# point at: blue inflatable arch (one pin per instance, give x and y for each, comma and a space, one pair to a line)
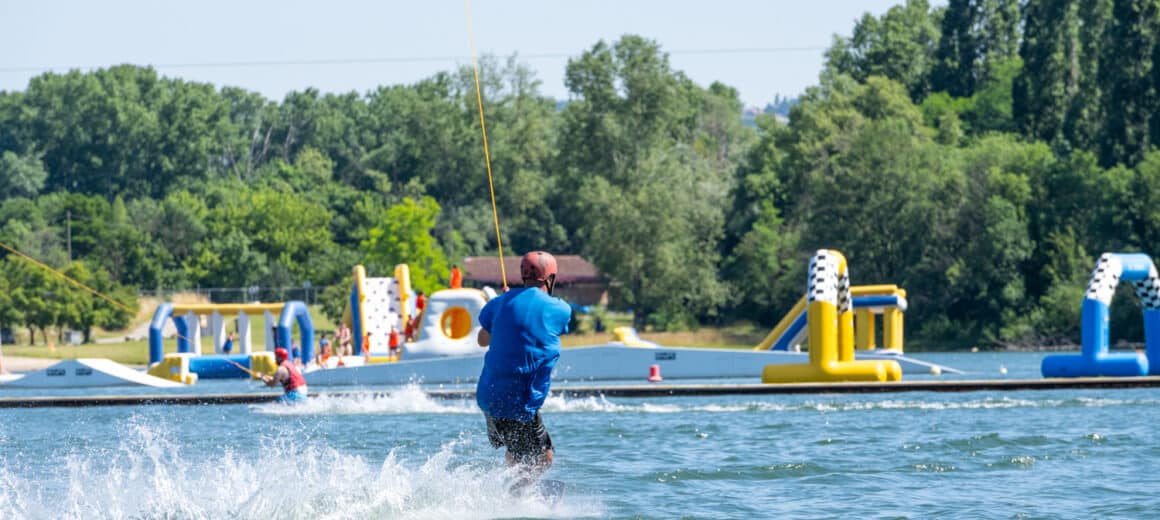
1094, 359
292, 312
295, 311
160, 316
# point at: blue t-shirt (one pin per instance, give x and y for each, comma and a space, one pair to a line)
525, 326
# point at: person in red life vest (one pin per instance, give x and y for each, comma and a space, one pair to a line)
456, 277
409, 331
288, 376
393, 345
366, 347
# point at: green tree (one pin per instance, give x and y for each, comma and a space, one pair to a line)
181, 222
34, 295
21, 175
1085, 117
899, 45
766, 269
659, 237
1126, 66
25, 227
10, 315
292, 233
991, 108
76, 306
975, 34
1044, 91
404, 237
230, 260
1140, 212
123, 130
521, 134
986, 283
645, 176
127, 252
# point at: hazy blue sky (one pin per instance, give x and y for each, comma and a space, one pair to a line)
760, 47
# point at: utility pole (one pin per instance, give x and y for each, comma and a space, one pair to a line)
68, 231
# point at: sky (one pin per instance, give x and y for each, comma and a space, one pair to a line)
762, 48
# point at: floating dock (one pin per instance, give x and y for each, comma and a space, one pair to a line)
649, 390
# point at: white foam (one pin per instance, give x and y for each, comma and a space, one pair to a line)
559, 404
412, 400
149, 476
601, 404
407, 400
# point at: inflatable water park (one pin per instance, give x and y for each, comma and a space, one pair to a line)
831, 335
442, 348
445, 349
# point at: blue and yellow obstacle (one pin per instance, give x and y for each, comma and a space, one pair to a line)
188, 364
1094, 359
870, 302
830, 325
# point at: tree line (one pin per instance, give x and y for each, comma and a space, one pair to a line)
980, 155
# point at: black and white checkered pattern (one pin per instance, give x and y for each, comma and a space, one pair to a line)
1105, 278
824, 278
1148, 290
845, 299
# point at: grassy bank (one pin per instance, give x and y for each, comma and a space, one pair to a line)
129, 352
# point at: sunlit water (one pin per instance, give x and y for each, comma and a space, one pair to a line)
1030, 454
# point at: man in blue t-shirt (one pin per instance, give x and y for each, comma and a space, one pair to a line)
523, 328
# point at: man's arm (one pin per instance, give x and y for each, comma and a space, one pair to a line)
485, 322
277, 377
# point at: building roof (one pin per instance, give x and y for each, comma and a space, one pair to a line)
485, 270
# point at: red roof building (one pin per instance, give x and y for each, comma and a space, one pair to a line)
577, 281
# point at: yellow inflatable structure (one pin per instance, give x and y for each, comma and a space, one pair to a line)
870, 301
891, 312
174, 367
830, 316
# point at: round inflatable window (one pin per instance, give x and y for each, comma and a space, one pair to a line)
455, 323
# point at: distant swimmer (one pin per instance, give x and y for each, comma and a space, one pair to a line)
288, 376
523, 328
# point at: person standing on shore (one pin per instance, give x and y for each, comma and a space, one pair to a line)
456, 277
522, 328
342, 338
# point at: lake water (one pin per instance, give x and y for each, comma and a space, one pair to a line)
1030, 454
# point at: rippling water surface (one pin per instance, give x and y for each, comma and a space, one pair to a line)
1031, 454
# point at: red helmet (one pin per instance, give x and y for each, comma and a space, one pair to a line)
537, 265
280, 354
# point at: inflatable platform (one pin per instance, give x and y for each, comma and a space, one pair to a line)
86, 372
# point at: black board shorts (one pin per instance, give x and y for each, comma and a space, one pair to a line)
526, 441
